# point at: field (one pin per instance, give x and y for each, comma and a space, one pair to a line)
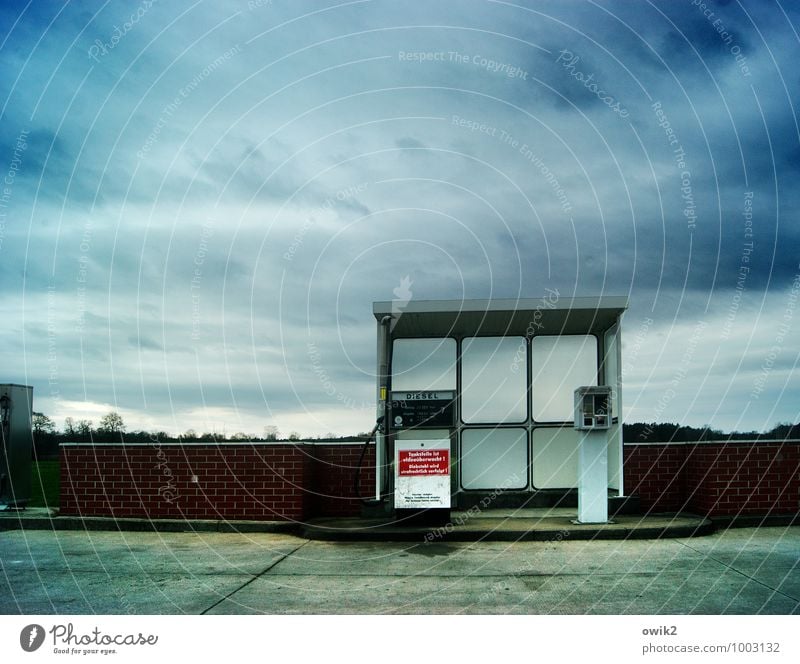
45, 487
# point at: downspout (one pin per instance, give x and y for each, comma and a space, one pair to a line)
382, 401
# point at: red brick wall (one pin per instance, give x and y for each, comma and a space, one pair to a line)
295, 482
715, 479
655, 474
332, 478
151, 481
234, 481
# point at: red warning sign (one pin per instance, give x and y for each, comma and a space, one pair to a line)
423, 462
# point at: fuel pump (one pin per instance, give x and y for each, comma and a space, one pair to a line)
593, 419
417, 420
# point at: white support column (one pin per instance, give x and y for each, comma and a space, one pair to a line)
618, 404
593, 478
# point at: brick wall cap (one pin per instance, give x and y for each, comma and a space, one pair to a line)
203, 443
718, 442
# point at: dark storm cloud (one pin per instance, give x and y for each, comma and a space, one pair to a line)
409, 142
697, 42
215, 201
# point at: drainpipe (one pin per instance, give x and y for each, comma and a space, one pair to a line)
383, 383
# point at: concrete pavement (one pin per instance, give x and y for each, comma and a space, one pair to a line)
511, 525
743, 571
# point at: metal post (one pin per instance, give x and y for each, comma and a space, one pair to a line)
593, 478
618, 404
382, 387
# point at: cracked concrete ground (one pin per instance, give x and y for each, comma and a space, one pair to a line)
738, 571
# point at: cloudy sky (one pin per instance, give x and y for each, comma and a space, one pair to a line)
201, 200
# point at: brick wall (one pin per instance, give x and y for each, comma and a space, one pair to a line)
332, 479
279, 481
716, 479
233, 481
656, 474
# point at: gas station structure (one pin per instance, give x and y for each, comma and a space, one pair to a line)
483, 405
516, 399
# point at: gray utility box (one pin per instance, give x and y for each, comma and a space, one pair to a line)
593, 408
16, 445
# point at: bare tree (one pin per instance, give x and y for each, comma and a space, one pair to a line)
112, 423
42, 424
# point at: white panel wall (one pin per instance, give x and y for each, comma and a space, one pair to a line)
424, 364
494, 458
493, 380
560, 364
555, 458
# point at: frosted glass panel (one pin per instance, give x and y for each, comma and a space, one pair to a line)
610, 366
493, 380
494, 459
560, 364
613, 378
424, 364
555, 457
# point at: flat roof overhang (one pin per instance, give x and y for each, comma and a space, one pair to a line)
502, 317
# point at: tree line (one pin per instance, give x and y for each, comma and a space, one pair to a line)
112, 428
668, 432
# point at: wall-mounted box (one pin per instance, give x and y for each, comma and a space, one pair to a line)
593, 408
